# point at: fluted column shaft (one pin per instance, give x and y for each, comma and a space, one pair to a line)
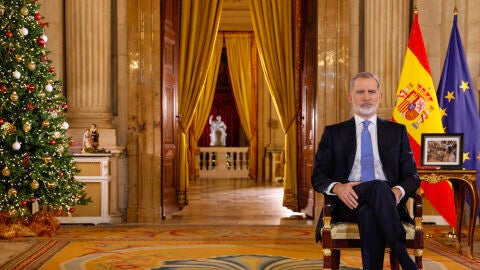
386, 36
88, 63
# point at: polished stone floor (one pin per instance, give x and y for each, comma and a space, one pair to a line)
236, 201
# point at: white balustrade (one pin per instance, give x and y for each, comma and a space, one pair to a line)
223, 162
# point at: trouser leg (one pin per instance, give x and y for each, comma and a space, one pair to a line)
372, 242
377, 196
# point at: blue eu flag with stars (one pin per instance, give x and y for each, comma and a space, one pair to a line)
456, 97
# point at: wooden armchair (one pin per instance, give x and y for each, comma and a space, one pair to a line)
345, 235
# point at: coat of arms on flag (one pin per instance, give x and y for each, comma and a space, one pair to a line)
413, 103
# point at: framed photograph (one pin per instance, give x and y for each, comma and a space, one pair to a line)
444, 150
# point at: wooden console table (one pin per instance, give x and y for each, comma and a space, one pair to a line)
467, 183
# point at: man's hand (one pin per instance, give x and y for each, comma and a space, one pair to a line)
398, 194
346, 194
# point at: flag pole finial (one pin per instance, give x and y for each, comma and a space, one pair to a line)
415, 9
455, 11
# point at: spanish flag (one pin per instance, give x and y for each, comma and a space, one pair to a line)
417, 108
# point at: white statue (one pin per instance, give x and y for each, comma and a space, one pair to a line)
218, 131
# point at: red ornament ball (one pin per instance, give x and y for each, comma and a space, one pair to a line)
43, 58
3, 89
32, 200
24, 203
52, 142
60, 174
30, 87
52, 69
71, 210
40, 41
72, 143
37, 16
25, 159
9, 34
1, 121
30, 106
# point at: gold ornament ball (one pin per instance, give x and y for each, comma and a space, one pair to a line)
27, 127
6, 171
47, 159
12, 192
41, 95
60, 149
13, 212
51, 185
46, 124
24, 11
8, 128
19, 58
14, 96
34, 185
32, 66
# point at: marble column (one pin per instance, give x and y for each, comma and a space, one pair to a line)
88, 62
386, 32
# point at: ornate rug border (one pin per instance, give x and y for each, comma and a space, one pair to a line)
35, 256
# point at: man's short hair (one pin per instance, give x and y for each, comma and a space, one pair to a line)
364, 75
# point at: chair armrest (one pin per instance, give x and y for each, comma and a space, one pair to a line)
417, 205
327, 216
327, 205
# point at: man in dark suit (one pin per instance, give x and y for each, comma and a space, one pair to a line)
371, 186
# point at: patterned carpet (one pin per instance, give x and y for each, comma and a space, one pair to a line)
200, 247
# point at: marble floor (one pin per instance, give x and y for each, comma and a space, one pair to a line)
236, 201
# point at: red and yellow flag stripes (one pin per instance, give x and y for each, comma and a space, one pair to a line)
417, 108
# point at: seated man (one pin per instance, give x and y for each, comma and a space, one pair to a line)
368, 164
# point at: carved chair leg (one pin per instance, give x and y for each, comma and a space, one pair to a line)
327, 258
394, 264
335, 259
419, 258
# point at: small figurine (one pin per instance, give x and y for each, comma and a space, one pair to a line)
87, 142
94, 137
91, 141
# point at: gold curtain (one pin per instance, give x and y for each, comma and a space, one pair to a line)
272, 25
203, 109
199, 27
240, 67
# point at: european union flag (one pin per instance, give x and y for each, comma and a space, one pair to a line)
456, 97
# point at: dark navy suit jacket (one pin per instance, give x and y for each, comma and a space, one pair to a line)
336, 153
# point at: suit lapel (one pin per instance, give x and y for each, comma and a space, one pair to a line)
351, 142
381, 137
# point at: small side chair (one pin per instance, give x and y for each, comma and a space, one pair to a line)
342, 235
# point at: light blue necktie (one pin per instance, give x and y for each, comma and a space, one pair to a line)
366, 158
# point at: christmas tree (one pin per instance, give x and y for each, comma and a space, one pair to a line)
35, 164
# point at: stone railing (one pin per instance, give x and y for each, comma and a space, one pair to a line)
223, 162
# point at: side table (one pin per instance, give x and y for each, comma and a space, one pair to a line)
467, 182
